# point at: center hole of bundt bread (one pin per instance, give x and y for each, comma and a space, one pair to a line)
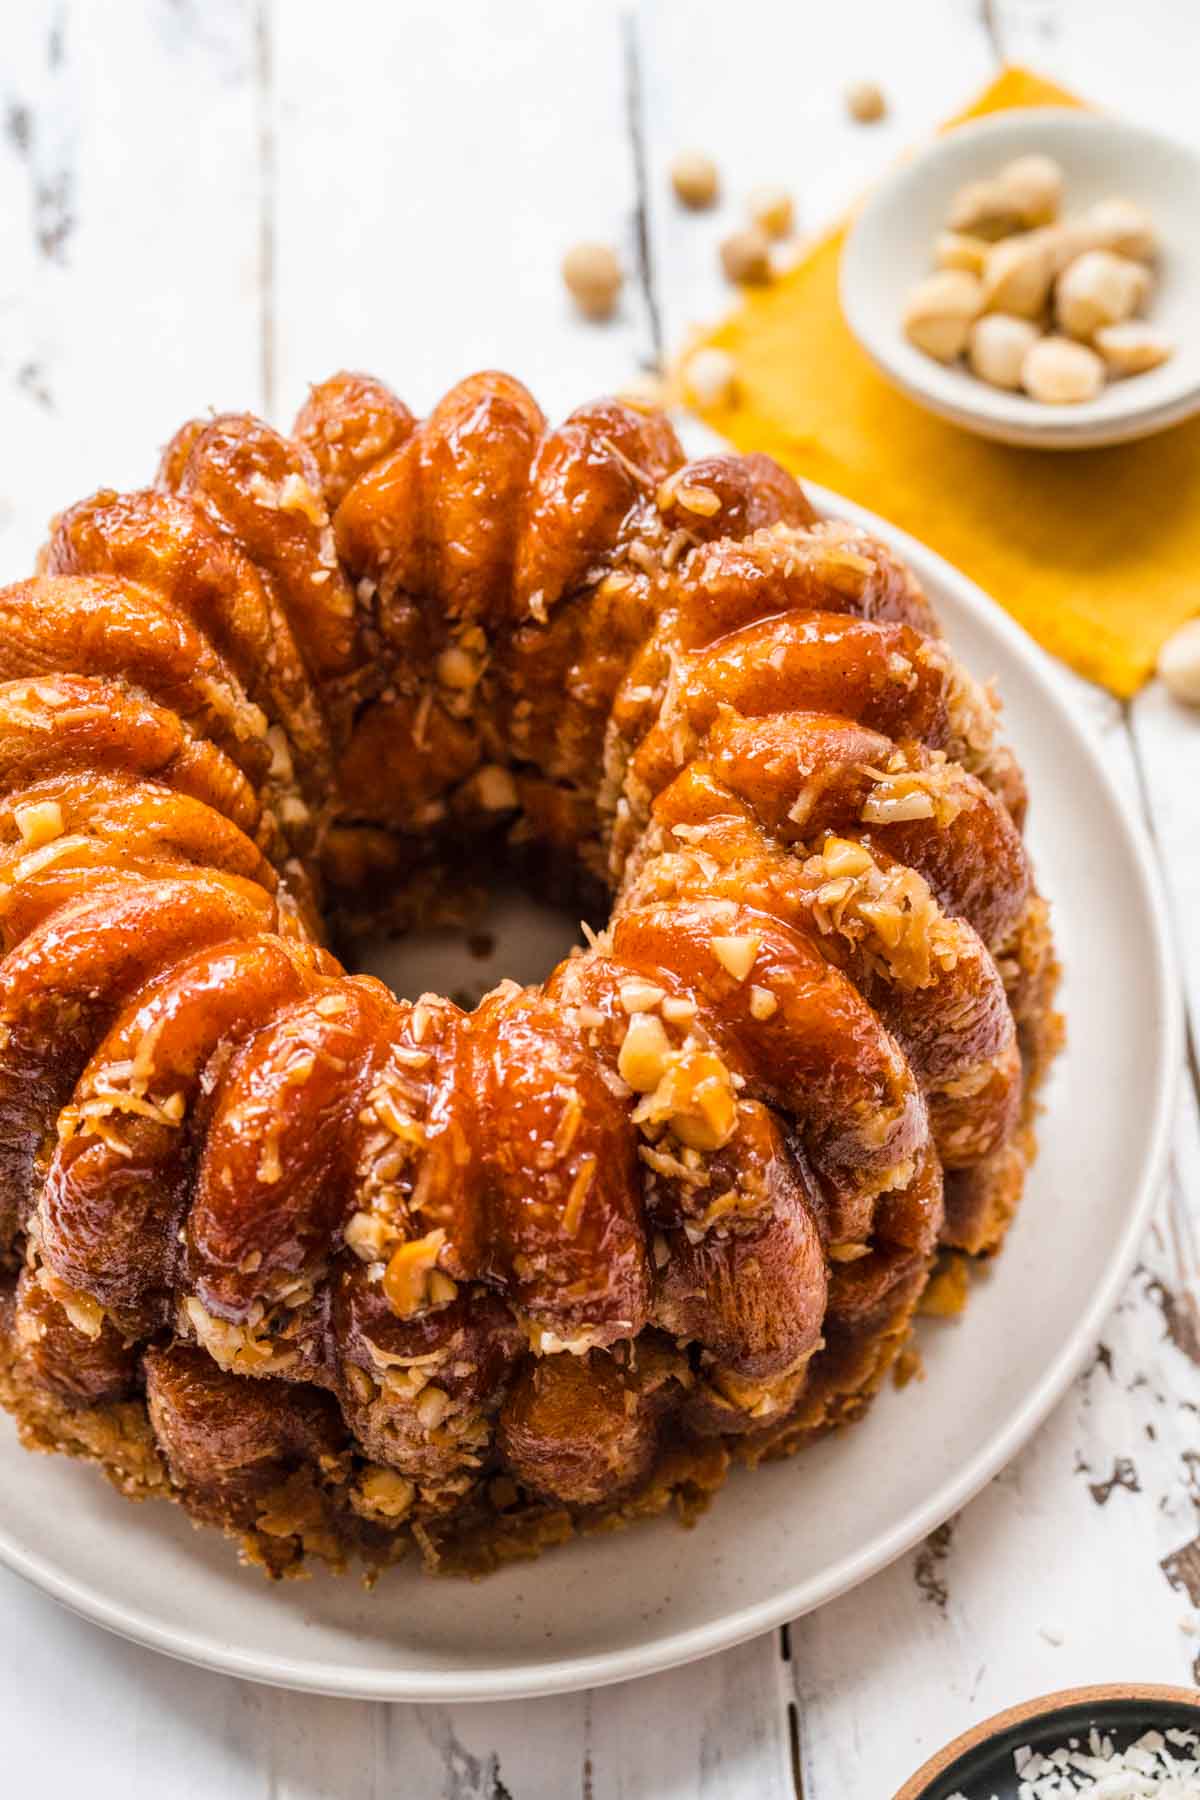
519, 935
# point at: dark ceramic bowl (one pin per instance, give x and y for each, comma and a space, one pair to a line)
980, 1762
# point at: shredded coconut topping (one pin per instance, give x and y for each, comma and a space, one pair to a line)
1158, 1766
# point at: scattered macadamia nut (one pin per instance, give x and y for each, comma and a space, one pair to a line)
939, 312
593, 277
695, 179
997, 345
1131, 347
1179, 663
1099, 288
865, 102
1061, 372
956, 250
710, 377
746, 257
771, 210
1017, 275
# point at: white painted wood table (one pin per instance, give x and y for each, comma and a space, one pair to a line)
209, 202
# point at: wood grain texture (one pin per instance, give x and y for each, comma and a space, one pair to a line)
129, 241
240, 196
429, 178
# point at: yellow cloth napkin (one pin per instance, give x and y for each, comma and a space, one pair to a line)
1096, 552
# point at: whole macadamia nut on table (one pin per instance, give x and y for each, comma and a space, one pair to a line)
695, 179
997, 346
746, 257
865, 102
939, 312
593, 278
1099, 288
771, 209
1061, 372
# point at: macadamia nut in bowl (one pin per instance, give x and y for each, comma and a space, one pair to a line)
1034, 277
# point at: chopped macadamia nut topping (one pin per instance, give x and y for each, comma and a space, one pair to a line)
763, 1004
641, 996
736, 955
644, 1053
39, 822
383, 1492
406, 1278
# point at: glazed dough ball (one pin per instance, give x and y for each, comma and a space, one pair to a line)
997, 347
939, 312
1099, 288
1061, 372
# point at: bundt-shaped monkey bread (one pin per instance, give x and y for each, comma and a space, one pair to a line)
338, 1270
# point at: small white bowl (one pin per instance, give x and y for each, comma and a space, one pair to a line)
890, 247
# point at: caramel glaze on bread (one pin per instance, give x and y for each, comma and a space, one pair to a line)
339, 1271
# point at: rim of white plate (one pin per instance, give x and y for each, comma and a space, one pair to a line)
734, 1627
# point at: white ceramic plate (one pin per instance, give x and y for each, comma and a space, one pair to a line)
786, 1538
890, 247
